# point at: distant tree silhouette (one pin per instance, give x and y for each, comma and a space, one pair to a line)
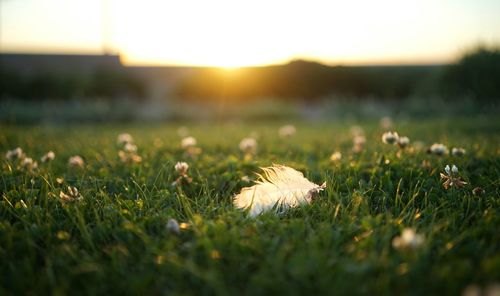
477, 74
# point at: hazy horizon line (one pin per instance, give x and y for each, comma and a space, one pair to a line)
156, 63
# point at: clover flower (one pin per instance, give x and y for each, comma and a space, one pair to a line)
76, 161
336, 156
188, 142
29, 165
408, 240
403, 142
181, 168
492, 289
72, 196
130, 148
457, 151
129, 157
438, 149
189, 145
478, 191
124, 138
359, 140
173, 226
390, 138
358, 143
287, 131
49, 156
16, 153
248, 145
451, 178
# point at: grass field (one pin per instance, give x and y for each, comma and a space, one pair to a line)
115, 240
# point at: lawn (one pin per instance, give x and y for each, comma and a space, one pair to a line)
115, 239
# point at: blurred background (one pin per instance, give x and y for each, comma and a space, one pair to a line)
120, 61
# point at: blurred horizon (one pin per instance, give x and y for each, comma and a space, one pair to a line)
241, 34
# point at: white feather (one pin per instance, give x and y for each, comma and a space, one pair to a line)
280, 187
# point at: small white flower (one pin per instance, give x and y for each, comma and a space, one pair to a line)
173, 226
287, 131
124, 139
76, 161
72, 195
14, 154
248, 145
130, 148
408, 240
336, 156
29, 164
188, 142
359, 140
181, 168
386, 122
129, 157
457, 151
390, 138
451, 178
438, 149
48, 157
403, 142
447, 169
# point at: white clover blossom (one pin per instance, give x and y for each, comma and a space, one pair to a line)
49, 156
287, 131
29, 164
455, 151
359, 140
248, 145
408, 240
403, 142
76, 161
336, 156
124, 138
438, 149
130, 148
453, 170
181, 167
358, 143
390, 138
173, 226
129, 157
188, 142
72, 195
451, 177
16, 153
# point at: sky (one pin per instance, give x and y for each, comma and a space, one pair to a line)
232, 33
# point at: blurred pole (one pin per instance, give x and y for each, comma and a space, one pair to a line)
106, 22
1, 25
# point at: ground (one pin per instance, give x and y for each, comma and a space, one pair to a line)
115, 239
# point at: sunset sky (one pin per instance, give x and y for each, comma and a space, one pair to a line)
232, 33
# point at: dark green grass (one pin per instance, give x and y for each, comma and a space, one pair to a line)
115, 241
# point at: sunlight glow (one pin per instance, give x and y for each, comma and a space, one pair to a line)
231, 33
